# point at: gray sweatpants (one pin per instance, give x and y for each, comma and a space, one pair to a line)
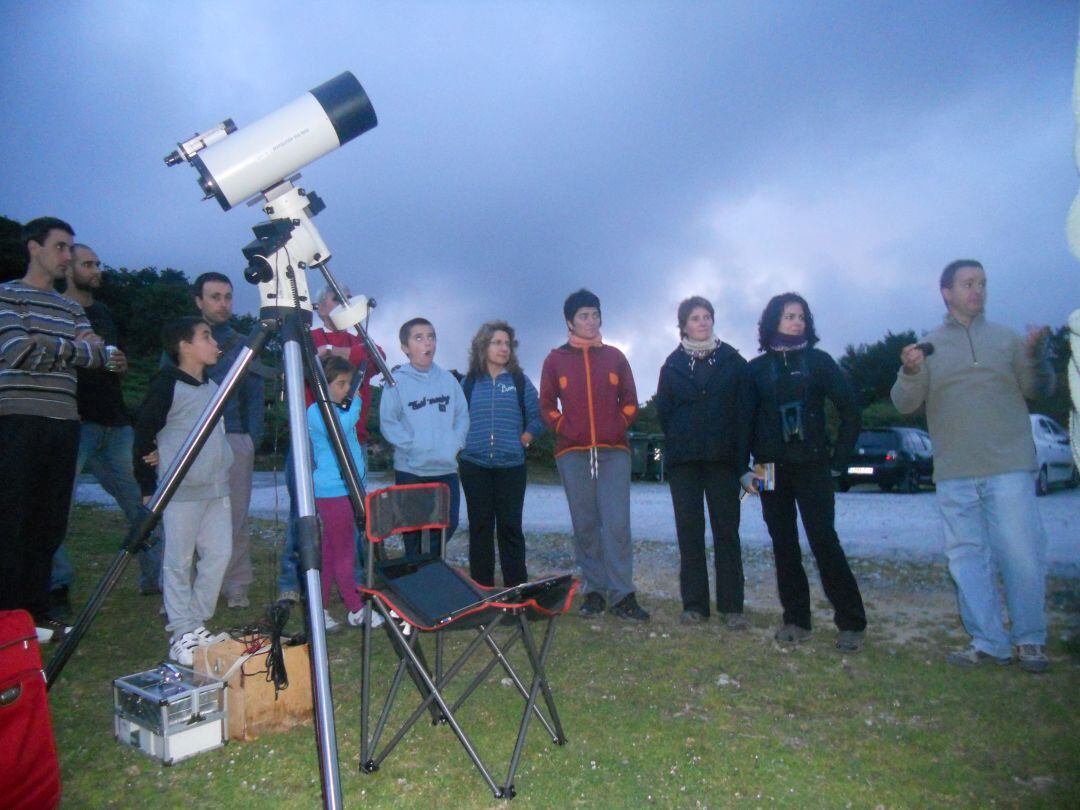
203, 527
600, 513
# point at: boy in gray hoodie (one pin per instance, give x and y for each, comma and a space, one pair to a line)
425, 417
198, 518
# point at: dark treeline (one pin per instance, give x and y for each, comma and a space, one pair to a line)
142, 301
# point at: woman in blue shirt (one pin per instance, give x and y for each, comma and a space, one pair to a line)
504, 418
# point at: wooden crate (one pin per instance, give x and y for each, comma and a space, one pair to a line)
253, 707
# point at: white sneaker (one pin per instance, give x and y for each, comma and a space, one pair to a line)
183, 649
329, 624
356, 618
206, 638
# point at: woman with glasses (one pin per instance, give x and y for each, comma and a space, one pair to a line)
504, 419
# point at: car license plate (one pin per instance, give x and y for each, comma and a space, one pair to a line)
860, 470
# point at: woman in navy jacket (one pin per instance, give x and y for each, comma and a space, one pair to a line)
698, 402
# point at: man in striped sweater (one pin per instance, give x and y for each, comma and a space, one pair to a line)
44, 337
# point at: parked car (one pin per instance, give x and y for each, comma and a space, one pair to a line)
1053, 455
890, 457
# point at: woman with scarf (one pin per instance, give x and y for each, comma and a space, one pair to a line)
698, 402
588, 399
786, 389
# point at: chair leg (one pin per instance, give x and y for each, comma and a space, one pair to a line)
433, 694
539, 661
539, 683
369, 762
499, 657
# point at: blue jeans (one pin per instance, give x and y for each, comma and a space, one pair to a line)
992, 524
289, 573
105, 453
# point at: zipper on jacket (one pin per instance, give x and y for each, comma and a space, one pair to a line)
971, 344
491, 450
588, 396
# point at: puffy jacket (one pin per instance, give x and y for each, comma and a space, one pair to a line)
809, 376
700, 408
587, 397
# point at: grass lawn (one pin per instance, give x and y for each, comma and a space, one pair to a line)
656, 714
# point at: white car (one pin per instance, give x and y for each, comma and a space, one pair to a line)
1053, 455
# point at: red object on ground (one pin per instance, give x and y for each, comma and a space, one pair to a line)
29, 770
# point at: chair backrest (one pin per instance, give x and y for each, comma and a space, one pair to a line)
418, 513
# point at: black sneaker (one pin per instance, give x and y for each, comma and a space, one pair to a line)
849, 640
791, 634
593, 605
693, 617
628, 608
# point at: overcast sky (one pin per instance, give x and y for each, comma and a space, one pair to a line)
648, 151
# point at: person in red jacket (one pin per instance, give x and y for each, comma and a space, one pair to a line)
588, 399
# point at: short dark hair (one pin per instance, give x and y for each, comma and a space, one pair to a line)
688, 305
179, 330
334, 367
406, 328
36, 230
952, 268
197, 287
769, 325
579, 300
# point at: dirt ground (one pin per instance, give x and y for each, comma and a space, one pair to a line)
907, 602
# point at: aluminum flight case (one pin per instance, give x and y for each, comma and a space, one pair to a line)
170, 712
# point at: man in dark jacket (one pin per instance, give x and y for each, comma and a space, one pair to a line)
595, 388
105, 435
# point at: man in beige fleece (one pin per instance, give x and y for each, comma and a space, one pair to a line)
973, 376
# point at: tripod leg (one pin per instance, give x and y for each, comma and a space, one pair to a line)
308, 536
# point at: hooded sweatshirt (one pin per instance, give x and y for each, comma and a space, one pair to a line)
426, 419
174, 403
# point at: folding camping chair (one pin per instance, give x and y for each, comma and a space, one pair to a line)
419, 595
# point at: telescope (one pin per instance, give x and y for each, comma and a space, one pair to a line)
262, 160
235, 165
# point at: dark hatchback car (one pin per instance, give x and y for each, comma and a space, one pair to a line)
897, 457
